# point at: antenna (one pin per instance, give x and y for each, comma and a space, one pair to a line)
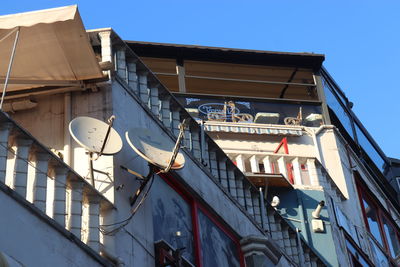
97, 137
158, 150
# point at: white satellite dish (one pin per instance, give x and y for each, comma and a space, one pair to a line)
154, 147
95, 135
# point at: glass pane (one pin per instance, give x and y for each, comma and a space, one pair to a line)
250, 111
338, 110
392, 238
216, 247
372, 219
172, 219
380, 258
369, 149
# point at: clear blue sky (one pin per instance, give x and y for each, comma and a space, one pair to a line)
360, 39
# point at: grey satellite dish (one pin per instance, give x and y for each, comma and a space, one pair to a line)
155, 148
95, 136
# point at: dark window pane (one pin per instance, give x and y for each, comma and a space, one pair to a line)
338, 109
372, 219
172, 219
392, 238
369, 149
216, 247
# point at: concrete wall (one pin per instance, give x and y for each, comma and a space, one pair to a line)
33, 242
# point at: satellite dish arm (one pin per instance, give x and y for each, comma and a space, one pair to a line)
177, 146
110, 124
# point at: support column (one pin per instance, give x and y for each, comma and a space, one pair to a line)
21, 165
312, 171
106, 48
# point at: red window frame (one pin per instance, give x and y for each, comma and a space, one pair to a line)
364, 193
195, 206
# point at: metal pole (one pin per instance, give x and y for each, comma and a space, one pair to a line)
9, 68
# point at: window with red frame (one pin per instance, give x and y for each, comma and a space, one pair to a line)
186, 224
379, 223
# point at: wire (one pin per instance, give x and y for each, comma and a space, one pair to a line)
125, 222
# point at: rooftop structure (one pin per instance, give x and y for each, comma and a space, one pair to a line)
278, 170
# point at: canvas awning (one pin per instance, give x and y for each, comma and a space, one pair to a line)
53, 49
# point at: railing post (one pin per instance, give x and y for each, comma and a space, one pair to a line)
154, 101
165, 111
239, 186
60, 194
213, 163
196, 149
231, 181
40, 182
5, 129
248, 198
75, 208
21, 165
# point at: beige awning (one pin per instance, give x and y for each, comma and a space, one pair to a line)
53, 49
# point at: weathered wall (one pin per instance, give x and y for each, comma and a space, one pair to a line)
32, 242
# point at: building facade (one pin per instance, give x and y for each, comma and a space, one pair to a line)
278, 169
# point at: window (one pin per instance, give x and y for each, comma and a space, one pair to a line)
379, 224
185, 224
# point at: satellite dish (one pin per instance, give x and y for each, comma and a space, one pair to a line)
154, 148
95, 135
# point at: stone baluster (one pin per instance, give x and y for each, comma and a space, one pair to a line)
21, 165
213, 163
254, 164
282, 167
94, 222
120, 61
5, 129
60, 194
40, 180
223, 177
256, 204
165, 111
240, 162
132, 76
231, 181
154, 100
196, 149
313, 172
75, 208
297, 171
248, 198
143, 88
239, 186
175, 121
267, 164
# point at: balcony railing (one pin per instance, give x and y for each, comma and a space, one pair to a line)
142, 85
45, 184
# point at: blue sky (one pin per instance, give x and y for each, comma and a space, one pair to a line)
360, 40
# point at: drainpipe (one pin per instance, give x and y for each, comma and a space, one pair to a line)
67, 137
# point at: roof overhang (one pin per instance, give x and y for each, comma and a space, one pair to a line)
53, 50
